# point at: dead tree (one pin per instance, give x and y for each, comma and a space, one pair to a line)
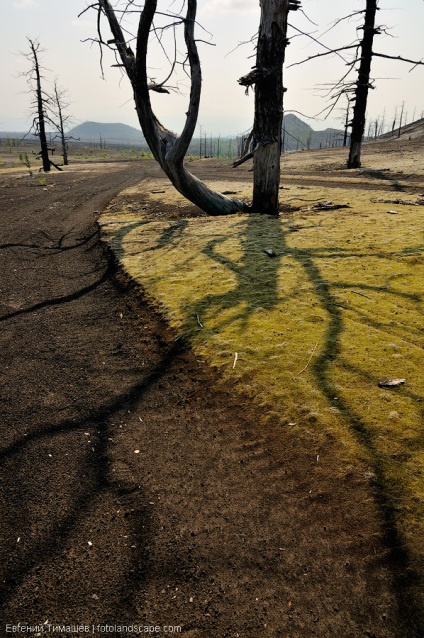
267, 78
170, 149
363, 54
346, 123
40, 101
362, 85
60, 118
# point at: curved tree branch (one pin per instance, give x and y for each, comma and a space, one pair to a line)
168, 149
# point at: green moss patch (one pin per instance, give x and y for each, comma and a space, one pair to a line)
309, 332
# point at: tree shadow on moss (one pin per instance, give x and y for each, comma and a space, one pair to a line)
405, 578
257, 274
257, 271
257, 286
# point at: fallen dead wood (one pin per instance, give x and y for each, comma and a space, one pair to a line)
403, 202
325, 206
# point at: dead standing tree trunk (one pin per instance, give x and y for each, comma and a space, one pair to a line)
168, 149
267, 77
58, 99
362, 85
41, 127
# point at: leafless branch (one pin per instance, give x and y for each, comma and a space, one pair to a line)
334, 24
401, 59
243, 159
329, 52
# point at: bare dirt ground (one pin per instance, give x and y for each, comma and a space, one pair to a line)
135, 488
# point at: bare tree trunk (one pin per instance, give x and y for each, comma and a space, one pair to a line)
267, 76
61, 124
169, 149
40, 109
362, 85
346, 126
400, 119
64, 150
268, 120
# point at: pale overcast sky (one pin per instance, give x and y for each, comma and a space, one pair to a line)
225, 109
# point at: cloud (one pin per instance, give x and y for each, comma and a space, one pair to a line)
80, 23
24, 4
232, 6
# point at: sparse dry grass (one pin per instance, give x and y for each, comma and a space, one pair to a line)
339, 308
12, 162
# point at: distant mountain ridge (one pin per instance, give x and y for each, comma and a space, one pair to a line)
297, 135
112, 133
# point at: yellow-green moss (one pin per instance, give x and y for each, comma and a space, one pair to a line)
315, 328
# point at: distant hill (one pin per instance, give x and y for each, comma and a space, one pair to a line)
108, 133
414, 130
297, 135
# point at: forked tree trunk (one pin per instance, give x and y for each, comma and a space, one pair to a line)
168, 148
269, 91
362, 85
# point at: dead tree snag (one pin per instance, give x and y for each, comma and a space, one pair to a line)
168, 148
362, 85
40, 119
42, 104
267, 78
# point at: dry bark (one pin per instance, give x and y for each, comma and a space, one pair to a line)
168, 148
58, 100
269, 93
362, 86
267, 77
34, 46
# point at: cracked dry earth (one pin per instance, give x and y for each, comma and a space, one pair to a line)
137, 489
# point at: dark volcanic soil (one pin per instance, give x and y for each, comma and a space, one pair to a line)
135, 488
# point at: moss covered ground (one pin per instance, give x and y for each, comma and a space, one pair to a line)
310, 332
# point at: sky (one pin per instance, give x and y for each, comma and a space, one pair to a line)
223, 26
